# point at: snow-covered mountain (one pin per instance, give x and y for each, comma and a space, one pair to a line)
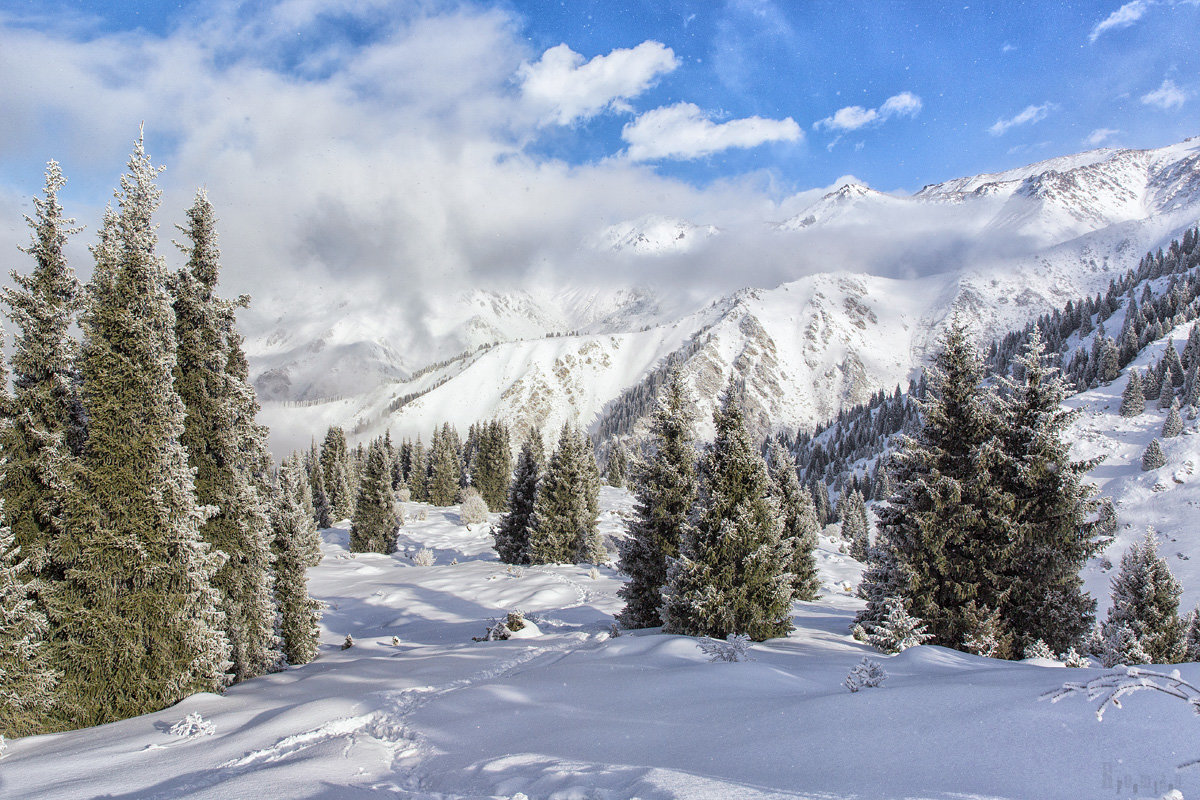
1023, 242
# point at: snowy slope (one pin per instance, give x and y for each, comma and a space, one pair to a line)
575, 713
1165, 499
1024, 242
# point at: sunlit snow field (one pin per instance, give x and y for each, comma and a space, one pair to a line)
577, 713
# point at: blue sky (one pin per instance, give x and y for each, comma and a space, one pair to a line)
407, 118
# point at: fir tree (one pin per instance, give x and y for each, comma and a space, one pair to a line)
1133, 402
135, 619
46, 428
1153, 457
335, 470
799, 522
895, 631
1145, 599
445, 467
1191, 639
492, 467
1166, 394
225, 447
1053, 506
1173, 424
512, 534
948, 521
563, 529
376, 520
297, 547
322, 511
730, 575
617, 467
664, 485
855, 527
27, 680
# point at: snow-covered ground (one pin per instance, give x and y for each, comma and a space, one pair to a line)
577, 713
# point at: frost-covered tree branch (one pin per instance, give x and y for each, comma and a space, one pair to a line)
1110, 687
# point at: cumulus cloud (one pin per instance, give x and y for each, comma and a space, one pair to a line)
684, 131
564, 87
1100, 136
1123, 17
1168, 96
851, 118
1028, 116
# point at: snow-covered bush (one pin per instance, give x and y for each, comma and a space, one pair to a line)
735, 648
866, 674
502, 629
1073, 658
594, 574
423, 558
1039, 649
346, 645
897, 631
3, 745
193, 726
472, 510
404, 495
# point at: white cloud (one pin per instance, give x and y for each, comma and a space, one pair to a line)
1167, 96
1123, 17
1100, 136
1029, 116
851, 118
684, 131
564, 88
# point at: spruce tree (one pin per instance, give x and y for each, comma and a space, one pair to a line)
563, 529
948, 522
322, 511
135, 620
376, 520
1133, 402
1053, 509
225, 447
1145, 599
855, 526
1153, 456
492, 466
730, 575
799, 522
1173, 424
664, 488
418, 472
617, 466
445, 467
512, 534
335, 470
1166, 394
46, 428
297, 547
27, 679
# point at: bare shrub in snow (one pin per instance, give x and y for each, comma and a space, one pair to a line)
193, 726
594, 574
734, 648
866, 674
424, 558
1110, 687
472, 510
